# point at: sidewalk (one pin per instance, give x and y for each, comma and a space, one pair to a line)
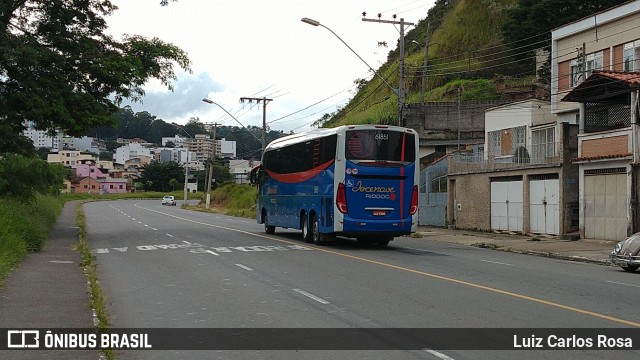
594, 251
48, 290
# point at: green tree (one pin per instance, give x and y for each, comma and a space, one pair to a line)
23, 177
59, 69
174, 183
160, 175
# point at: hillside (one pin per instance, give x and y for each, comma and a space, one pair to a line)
466, 37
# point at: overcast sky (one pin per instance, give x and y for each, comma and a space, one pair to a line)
260, 48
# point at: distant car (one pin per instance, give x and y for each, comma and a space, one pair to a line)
626, 254
168, 200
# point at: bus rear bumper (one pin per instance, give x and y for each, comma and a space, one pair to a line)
353, 227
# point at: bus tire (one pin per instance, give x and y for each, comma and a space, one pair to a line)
307, 233
269, 229
317, 238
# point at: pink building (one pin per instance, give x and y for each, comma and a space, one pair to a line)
90, 170
113, 186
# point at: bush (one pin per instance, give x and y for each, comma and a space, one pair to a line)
24, 227
235, 196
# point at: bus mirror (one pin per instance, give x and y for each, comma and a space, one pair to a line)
255, 176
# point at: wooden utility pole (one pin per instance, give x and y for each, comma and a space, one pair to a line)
264, 102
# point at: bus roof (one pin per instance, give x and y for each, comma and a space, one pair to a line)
318, 133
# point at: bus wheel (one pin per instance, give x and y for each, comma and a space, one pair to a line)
318, 238
269, 229
307, 234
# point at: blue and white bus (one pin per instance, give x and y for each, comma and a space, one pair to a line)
357, 181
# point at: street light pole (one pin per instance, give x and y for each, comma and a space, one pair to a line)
317, 23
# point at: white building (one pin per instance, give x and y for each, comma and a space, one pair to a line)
127, 152
240, 170
177, 140
226, 149
40, 138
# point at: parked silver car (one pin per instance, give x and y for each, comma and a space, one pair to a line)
626, 254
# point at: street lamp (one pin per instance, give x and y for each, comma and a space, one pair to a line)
209, 101
396, 91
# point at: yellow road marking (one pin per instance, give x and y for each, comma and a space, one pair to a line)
418, 272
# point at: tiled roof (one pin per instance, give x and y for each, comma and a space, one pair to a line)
632, 78
602, 157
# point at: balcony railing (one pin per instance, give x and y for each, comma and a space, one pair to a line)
534, 156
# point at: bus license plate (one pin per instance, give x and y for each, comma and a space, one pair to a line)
379, 213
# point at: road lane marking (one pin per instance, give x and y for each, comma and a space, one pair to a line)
619, 283
311, 296
439, 355
418, 272
244, 267
61, 261
169, 235
499, 263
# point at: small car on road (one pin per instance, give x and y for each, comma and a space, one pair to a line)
626, 253
168, 200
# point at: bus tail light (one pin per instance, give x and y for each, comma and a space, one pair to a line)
341, 199
414, 201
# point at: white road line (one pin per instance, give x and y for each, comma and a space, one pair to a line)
619, 283
146, 225
311, 296
499, 263
154, 229
61, 261
439, 355
244, 267
169, 235
212, 253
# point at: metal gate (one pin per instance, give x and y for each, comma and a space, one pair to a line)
506, 205
544, 204
605, 200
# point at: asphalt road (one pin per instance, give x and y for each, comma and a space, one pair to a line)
164, 267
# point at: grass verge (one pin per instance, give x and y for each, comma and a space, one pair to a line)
97, 299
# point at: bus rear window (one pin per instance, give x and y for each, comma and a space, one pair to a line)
380, 145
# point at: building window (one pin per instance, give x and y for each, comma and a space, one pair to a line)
120, 187
632, 56
580, 71
543, 144
495, 143
439, 184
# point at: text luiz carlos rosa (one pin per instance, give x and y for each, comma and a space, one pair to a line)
572, 342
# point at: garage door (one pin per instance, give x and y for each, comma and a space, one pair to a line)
506, 205
605, 213
544, 204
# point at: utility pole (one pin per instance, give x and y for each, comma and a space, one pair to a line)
264, 102
401, 94
213, 155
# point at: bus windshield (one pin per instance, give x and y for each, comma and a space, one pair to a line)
380, 147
